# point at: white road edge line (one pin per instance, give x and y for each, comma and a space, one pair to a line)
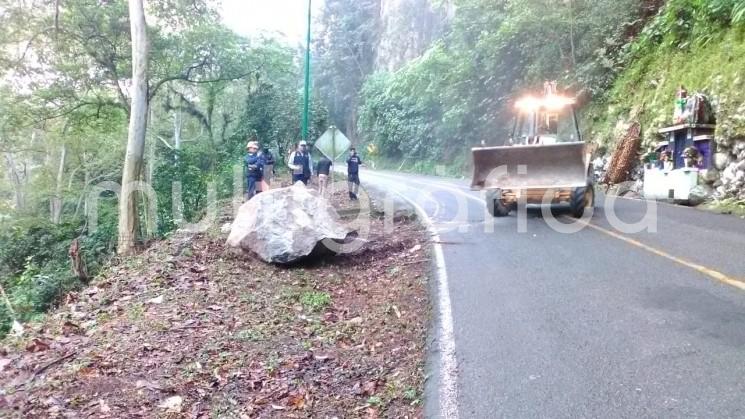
444, 186
448, 389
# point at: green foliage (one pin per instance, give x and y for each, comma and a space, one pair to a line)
189, 168
709, 62
63, 126
33, 242
682, 24
625, 54
459, 92
345, 48
728, 206
315, 300
34, 261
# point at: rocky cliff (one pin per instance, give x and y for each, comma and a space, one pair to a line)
408, 28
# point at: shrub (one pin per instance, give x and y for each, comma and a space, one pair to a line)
34, 261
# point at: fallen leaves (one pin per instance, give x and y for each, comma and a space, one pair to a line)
369, 388
156, 300
103, 407
198, 269
172, 404
201, 330
143, 384
37, 345
355, 320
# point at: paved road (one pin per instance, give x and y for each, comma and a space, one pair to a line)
592, 324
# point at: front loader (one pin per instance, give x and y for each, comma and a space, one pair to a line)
544, 162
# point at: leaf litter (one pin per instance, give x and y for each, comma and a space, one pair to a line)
190, 328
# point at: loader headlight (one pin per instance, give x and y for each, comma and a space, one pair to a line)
528, 104
550, 102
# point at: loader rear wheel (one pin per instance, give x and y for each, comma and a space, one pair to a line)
581, 199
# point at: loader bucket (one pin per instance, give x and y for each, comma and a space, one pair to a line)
562, 165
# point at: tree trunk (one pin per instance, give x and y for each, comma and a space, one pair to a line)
82, 202
571, 35
55, 204
150, 153
352, 122
177, 124
15, 177
137, 129
149, 172
77, 262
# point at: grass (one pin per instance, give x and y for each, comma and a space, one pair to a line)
249, 335
728, 206
135, 311
315, 301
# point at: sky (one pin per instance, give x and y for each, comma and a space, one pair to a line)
286, 19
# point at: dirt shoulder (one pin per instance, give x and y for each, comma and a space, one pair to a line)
190, 328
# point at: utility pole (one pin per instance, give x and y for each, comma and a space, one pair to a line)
306, 97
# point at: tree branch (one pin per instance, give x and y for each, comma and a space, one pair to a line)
186, 77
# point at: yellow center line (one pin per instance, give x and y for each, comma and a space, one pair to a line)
695, 266
714, 274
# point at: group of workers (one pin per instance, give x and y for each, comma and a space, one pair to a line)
258, 169
258, 166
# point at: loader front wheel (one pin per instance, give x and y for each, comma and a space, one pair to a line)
497, 208
581, 199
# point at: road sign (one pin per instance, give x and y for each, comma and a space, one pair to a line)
372, 149
333, 143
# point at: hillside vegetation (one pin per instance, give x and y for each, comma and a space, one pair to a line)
65, 68
620, 58
697, 44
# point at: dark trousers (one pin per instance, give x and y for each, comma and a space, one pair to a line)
251, 187
300, 177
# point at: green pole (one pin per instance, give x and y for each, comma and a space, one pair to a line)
306, 97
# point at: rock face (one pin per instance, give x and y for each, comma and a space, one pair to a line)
407, 29
721, 160
733, 172
286, 225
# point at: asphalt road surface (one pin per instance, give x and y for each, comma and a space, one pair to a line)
598, 323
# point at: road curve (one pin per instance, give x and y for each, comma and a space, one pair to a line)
599, 323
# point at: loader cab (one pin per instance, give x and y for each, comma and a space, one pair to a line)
543, 121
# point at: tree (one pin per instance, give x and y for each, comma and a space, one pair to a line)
83, 89
460, 91
345, 48
137, 129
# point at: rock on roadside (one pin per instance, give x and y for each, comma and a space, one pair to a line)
286, 225
700, 194
390, 204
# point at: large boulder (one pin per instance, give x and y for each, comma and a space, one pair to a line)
390, 204
700, 194
286, 225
